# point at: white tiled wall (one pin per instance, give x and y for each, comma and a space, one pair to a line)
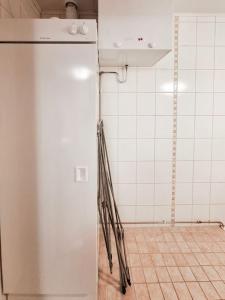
201, 130
138, 123
19, 9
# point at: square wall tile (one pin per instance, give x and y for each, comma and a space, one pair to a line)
220, 34
185, 149
145, 194
145, 80
146, 104
109, 103
205, 34
127, 104
111, 127
166, 62
127, 194
201, 193
203, 127
164, 104
127, 213
127, 127
127, 172
109, 82
114, 171
219, 104
164, 127
145, 172
217, 212
205, 58
219, 85
130, 85
218, 171
201, 213
219, 127
204, 103
206, 19
203, 149
184, 193
187, 34
187, 19
163, 149
163, 172
127, 150
219, 57
217, 193
218, 149
164, 81
186, 81
163, 194
184, 171
162, 213
145, 150
144, 213
202, 170
112, 149
145, 127
185, 126
204, 81
183, 213
187, 58
186, 104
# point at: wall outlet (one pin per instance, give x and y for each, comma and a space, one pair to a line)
81, 174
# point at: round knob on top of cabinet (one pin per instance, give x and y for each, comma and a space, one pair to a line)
73, 29
83, 29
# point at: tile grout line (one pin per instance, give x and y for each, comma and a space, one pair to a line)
194, 137
174, 141
213, 111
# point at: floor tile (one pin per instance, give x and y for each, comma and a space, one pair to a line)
162, 274
135, 260
199, 273
168, 291
187, 274
150, 275
182, 291
211, 273
137, 275
155, 291
141, 292
209, 290
220, 288
175, 274
196, 291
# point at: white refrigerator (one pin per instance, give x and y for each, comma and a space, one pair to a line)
48, 168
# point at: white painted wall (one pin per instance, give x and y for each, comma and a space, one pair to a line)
19, 9
199, 6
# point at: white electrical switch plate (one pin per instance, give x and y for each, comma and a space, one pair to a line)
81, 174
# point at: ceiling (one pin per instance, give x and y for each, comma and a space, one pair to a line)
84, 5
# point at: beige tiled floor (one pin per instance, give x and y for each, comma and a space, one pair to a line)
168, 263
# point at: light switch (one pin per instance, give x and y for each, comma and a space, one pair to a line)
81, 174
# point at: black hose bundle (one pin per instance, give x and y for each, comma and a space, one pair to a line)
108, 212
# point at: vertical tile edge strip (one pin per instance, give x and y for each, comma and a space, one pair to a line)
174, 141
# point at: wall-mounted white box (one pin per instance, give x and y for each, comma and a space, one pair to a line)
134, 32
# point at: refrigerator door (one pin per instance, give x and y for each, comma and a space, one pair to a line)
47, 130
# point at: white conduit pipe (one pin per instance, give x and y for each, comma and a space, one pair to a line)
71, 9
